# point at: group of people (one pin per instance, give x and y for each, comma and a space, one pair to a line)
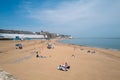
19, 46
64, 67
90, 51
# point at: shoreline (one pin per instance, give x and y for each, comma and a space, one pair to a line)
89, 46
93, 48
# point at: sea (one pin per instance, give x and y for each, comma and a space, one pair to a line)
108, 43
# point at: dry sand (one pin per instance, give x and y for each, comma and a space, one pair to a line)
104, 64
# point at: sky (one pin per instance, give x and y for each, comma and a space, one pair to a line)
79, 18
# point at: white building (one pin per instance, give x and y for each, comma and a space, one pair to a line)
21, 36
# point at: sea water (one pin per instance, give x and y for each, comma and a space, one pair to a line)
109, 43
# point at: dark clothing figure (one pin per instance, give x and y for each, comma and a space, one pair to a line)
37, 55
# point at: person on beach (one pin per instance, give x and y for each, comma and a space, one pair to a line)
73, 55
37, 55
64, 67
93, 52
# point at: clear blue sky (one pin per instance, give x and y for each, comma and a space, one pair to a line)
80, 18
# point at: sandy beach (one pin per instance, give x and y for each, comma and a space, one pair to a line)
86, 63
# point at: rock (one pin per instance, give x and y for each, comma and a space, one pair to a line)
6, 76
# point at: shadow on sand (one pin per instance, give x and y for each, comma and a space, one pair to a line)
21, 59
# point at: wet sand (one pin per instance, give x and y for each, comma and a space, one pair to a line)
86, 63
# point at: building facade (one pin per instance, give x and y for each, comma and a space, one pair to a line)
21, 36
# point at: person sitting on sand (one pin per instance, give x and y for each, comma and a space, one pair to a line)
64, 67
37, 55
88, 51
93, 52
60, 67
73, 55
